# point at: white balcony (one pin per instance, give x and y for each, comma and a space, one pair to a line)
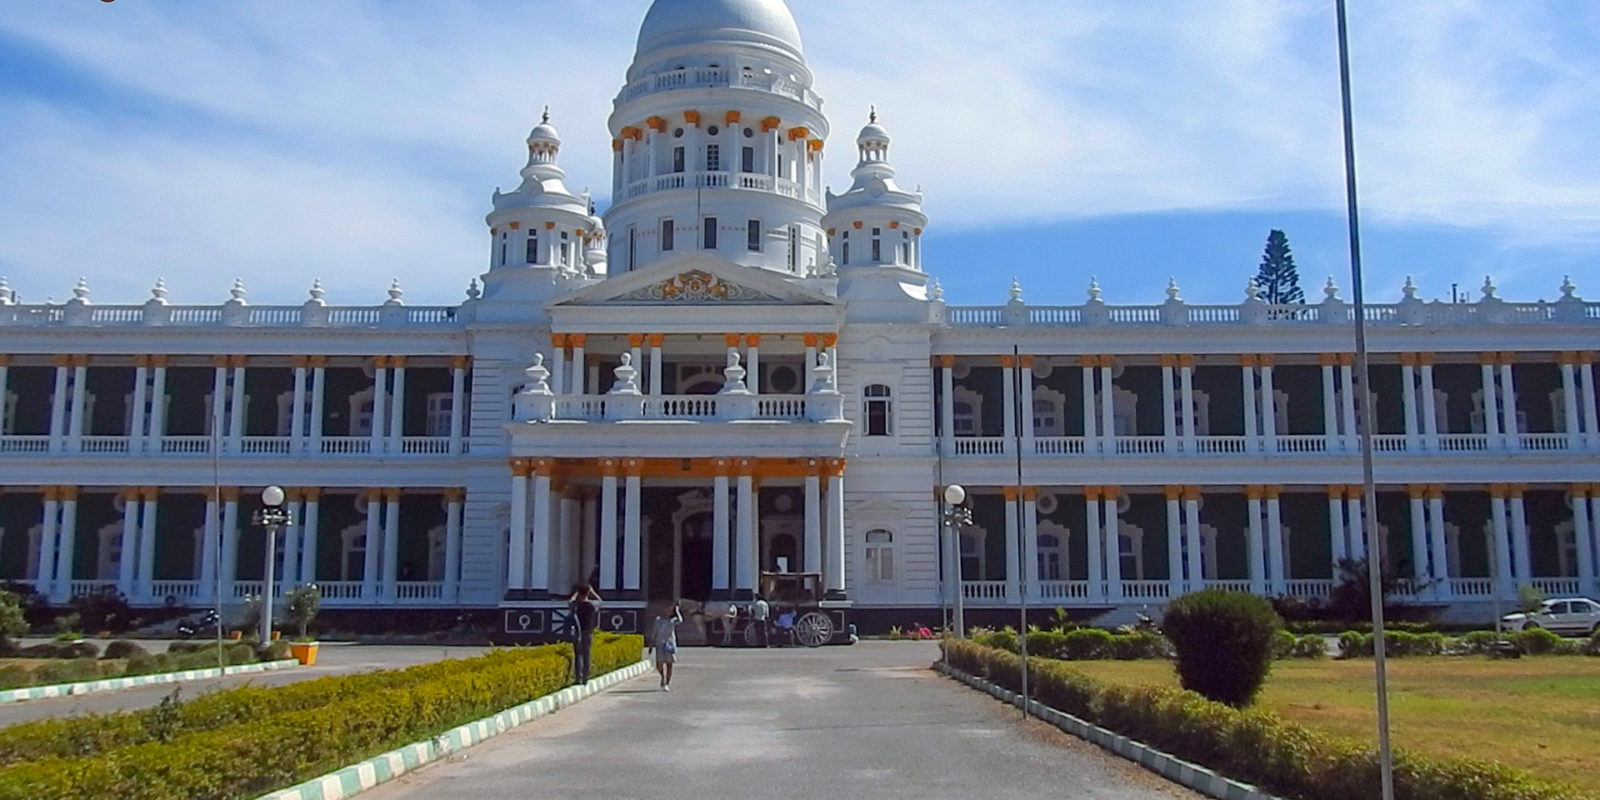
679, 408
984, 592
1146, 590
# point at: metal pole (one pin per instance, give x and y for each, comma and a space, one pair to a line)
960, 598
1022, 570
271, 525
1364, 427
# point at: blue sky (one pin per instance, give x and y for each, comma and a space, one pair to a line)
360, 141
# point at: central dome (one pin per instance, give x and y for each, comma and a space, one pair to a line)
676, 23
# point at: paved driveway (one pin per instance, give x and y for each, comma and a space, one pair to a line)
334, 659
864, 721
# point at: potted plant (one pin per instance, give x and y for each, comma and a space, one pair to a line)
302, 606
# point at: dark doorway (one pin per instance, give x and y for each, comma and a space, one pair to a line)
694, 560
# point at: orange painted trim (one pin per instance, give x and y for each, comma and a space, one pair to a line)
1172, 492
731, 339
770, 124
1247, 360
1026, 361
636, 340
1010, 493
577, 339
948, 362
1169, 361
516, 226
460, 362
1253, 492
810, 339
798, 133
1328, 359
732, 117
656, 124
692, 117
752, 340
1191, 493
1335, 492
655, 339
830, 339
616, 145
1008, 362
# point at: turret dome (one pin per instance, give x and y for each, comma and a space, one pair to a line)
680, 23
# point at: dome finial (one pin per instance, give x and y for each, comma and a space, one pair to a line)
546, 117
872, 115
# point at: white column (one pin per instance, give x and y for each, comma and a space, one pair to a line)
813, 523
1008, 412
631, 535
1491, 406
1169, 404
811, 355
158, 404
720, 549
539, 569
655, 363
1186, 380
1013, 544
1587, 569
1191, 513
1591, 414
752, 363
580, 364
80, 388
49, 531
1569, 406
1278, 546
147, 546
1430, 410
458, 404
558, 365
289, 576
636, 353
1254, 544
209, 543
1336, 536
1174, 541
319, 394
391, 545
1357, 526
517, 548
1269, 407
1095, 567
1113, 548
236, 416
1030, 540
1505, 580
1408, 396
562, 553
745, 548
588, 536
1027, 409
833, 556
219, 404
397, 400
1594, 520
1508, 408
1347, 398
1522, 563
58, 410
138, 417
608, 533
370, 565
1419, 535
130, 542
1247, 374
310, 516
4, 386
67, 544
947, 403
297, 409
230, 542
1439, 543
1330, 406
452, 546
1108, 396
380, 402
1091, 438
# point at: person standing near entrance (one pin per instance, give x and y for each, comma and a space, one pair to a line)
584, 608
730, 623
759, 611
664, 642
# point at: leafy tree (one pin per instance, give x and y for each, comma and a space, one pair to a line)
1224, 643
303, 605
1277, 280
12, 622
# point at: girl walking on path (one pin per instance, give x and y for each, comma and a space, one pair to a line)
664, 639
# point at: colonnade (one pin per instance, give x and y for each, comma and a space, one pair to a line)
571, 372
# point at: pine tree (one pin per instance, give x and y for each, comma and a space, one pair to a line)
1277, 280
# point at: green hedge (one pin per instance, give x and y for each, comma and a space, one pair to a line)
1080, 644
83, 662
1250, 745
261, 749
1533, 642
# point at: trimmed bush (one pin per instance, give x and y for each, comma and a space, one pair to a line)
122, 648
1224, 643
12, 621
1535, 641
1257, 747
1080, 644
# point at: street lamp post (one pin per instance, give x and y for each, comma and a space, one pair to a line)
272, 517
957, 514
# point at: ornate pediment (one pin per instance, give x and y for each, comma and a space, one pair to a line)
697, 286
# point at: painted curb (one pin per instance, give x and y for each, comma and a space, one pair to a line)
1193, 776
114, 684
364, 775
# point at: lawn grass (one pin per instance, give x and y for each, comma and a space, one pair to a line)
1538, 714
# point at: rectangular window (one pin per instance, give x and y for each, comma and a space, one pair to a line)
677, 159
794, 247
633, 246
754, 235
905, 248
844, 250
533, 247
747, 159
713, 158
709, 233
666, 235
877, 250
566, 248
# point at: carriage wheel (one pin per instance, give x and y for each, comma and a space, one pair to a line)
814, 629
751, 636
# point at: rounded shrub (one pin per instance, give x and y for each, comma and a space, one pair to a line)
1536, 641
122, 648
1224, 643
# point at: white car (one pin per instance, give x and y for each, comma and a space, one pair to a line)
1572, 616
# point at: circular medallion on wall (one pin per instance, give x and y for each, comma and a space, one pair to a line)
783, 380
1047, 503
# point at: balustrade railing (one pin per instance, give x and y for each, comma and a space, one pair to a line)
103, 445
984, 591
979, 445
1139, 445
419, 590
1309, 587
1052, 591
84, 588
1557, 587
1412, 313
341, 591
1544, 442
425, 445
1229, 585
24, 444
1472, 587
182, 590
1058, 445
1146, 590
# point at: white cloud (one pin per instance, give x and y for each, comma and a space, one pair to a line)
361, 140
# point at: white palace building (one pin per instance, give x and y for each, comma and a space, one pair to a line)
734, 370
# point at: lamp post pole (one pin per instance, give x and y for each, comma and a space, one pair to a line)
272, 518
956, 514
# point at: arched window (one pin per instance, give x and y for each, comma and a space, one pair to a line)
879, 555
1050, 562
877, 410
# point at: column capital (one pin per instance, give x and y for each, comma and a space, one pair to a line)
1267, 360
1030, 494
48, 493
1516, 490
1088, 362
830, 339
558, 340
230, 494
68, 494
1435, 491
391, 495
1011, 493
655, 339
752, 340
1408, 359
1425, 359
1191, 493
159, 360
1347, 359
311, 494
1507, 358
1497, 490
1025, 361
1247, 360
520, 467
1172, 492
835, 467
948, 362
397, 361
299, 362
1488, 359
1355, 491
380, 362
1335, 491
1008, 362
1417, 491
577, 339
608, 467
1578, 490
636, 340
1585, 357
150, 493
731, 339
1110, 492
319, 362
721, 467
128, 494
633, 467
1328, 359
220, 362
1273, 492
1253, 492
811, 339
460, 362
541, 467
1169, 361
454, 494
1091, 493
1186, 361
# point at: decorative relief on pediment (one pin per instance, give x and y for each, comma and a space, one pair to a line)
697, 286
